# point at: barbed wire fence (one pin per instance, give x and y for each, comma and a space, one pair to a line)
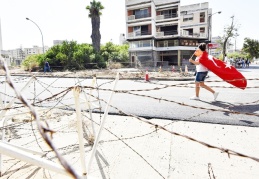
59, 125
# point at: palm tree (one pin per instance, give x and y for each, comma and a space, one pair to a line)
94, 13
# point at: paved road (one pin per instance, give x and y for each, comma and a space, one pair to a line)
233, 106
163, 99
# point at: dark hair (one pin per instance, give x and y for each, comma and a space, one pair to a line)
202, 46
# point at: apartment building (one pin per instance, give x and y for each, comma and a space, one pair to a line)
6, 57
35, 50
163, 33
58, 42
16, 56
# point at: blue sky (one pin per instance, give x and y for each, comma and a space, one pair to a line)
68, 20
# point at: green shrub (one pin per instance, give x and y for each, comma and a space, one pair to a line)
31, 62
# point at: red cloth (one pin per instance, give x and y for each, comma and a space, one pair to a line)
223, 70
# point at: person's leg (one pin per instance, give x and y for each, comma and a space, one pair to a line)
197, 89
197, 86
215, 94
202, 85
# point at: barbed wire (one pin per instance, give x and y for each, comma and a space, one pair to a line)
156, 126
45, 132
59, 97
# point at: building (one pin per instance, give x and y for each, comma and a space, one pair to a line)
7, 58
16, 56
35, 50
163, 33
58, 42
122, 39
215, 47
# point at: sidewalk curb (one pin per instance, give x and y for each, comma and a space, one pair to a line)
105, 77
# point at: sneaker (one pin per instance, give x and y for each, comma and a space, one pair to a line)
215, 95
194, 98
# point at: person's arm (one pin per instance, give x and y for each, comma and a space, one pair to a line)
194, 62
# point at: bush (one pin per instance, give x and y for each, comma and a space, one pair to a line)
114, 65
31, 63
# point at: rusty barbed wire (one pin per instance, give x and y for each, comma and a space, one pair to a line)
225, 150
44, 130
60, 96
122, 140
210, 170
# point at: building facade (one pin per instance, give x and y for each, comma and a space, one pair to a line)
216, 48
122, 39
163, 33
35, 50
58, 42
16, 56
7, 58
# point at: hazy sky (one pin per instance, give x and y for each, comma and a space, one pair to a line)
68, 20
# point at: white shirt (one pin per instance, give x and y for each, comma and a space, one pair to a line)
226, 59
200, 67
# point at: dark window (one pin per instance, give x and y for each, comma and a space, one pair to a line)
202, 17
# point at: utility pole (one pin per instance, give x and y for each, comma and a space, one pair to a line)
209, 26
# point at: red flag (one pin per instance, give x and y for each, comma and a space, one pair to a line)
223, 70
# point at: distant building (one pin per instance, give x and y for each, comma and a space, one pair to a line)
7, 58
216, 48
35, 50
58, 42
19, 54
122, 39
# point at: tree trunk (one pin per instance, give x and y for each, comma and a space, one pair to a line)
96, 36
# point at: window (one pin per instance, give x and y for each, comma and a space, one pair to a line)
187, 19
190, 31
137, 30
202, 29
141, 30
202, 17
189, 42
169, 13
147, 43
143, 43
141, 13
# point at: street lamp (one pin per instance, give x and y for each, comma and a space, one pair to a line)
40, 32
209, 24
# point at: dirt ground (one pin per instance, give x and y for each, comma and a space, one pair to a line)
127, 73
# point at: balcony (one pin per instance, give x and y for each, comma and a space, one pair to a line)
139, 16
185, 33
167, 43
140, 34
166, 33
141, 44
166, 16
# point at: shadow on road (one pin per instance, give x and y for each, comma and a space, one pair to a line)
242, 108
